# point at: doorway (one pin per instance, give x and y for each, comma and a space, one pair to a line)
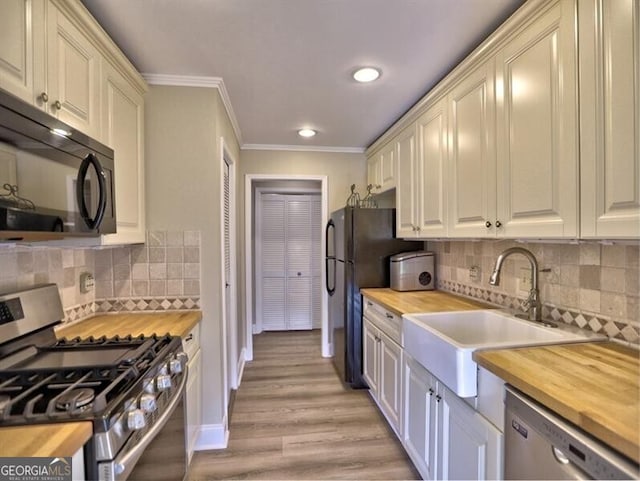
287, 186
287, 261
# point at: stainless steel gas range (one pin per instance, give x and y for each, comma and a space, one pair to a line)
130, 388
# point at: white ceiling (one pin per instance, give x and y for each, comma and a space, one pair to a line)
287, 64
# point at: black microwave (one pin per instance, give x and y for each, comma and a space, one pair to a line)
55, 181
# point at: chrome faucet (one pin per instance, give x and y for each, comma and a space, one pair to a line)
533, 305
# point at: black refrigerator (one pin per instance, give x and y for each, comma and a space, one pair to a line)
359, 243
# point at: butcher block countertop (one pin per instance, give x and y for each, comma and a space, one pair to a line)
413, 302
134, 323
44, 440
596, 386
64, 439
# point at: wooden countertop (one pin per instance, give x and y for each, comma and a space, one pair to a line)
64, 439
134, 323
596, 386
59, 440
412, 302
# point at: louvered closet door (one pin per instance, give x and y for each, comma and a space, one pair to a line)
299, 262
290, 261
316, 266
272, 259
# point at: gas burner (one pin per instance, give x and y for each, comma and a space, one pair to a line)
4, 400
76, 399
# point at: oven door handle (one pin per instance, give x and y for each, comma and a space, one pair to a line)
124, 465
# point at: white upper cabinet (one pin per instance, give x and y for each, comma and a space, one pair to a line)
536, 113
18, 46
610, 118
432, 163
406, 205
72, 91
123, 109
381, 169
472, 174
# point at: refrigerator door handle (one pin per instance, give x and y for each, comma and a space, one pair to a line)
330, 258
330, 290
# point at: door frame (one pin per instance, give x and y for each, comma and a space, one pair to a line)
249, 258
231, 361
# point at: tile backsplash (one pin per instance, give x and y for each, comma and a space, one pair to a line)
162, 274
590, 284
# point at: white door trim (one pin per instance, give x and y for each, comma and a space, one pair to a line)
229, 324
248, 238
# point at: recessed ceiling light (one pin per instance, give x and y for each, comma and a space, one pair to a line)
366, 74
306, 132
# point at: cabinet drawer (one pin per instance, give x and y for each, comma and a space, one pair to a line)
191, 342
383, 319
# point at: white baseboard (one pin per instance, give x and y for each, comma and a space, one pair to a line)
241, 363
213, 436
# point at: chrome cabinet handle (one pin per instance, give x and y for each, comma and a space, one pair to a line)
487, 224
389, 316
189, 338
57, 105
44, 97
498, 223
369, 303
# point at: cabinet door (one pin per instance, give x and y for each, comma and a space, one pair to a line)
472, 174
388, 168
374, 172
370, 356
419, 417
432, 160
537, 190
123, 131
610, 118
405, 183
73, 74
193, 411
471, 445
18, 29
390, 387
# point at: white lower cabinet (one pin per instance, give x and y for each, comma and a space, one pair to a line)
383, 373
193, 407
444, 436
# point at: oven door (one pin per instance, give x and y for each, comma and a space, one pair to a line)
160, 453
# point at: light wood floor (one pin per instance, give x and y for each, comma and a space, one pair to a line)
293, 419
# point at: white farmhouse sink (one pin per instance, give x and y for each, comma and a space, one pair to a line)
444, 342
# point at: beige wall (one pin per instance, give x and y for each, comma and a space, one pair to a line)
341, 169
183, 126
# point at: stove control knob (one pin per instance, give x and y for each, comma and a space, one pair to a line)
148, 403
130, 404
175, 366
163, 382
148, 385
136, 420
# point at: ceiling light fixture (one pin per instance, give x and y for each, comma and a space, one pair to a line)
366, 74
307, 132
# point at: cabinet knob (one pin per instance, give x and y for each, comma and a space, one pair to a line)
498, 223
44, 97
57, 105
487, 224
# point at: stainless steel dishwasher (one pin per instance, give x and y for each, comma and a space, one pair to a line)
541, 445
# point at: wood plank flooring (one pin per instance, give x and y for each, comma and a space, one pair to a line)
293, 419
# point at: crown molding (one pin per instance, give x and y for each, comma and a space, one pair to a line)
196, 81
304, 148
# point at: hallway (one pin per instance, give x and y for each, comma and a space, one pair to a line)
292, 419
